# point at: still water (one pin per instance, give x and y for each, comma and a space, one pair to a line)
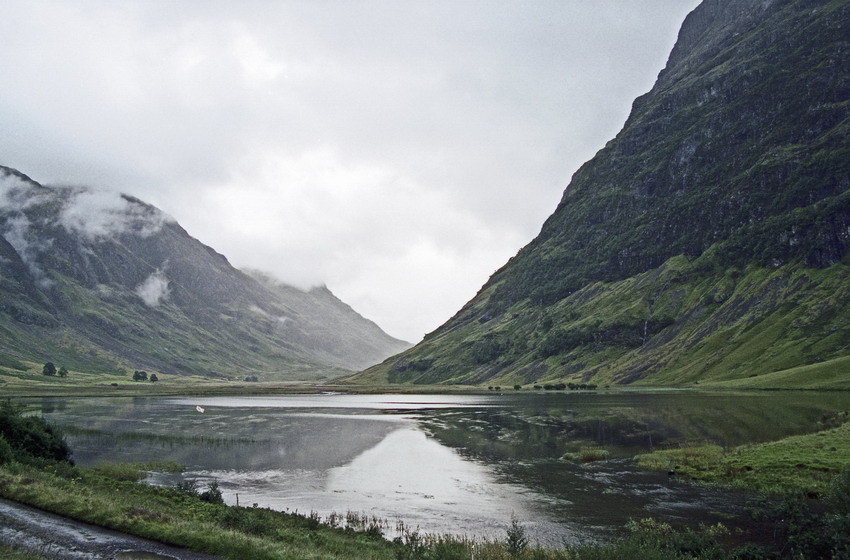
462, 464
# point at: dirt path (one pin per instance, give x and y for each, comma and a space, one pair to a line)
61, 538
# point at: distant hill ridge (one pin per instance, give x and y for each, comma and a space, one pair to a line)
707, 242
99, 281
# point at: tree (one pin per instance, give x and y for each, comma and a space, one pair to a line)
63, 371
154, 378
49, 369
140, 376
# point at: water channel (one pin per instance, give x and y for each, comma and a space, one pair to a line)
462, 464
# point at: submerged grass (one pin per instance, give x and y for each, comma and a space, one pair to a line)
176, 439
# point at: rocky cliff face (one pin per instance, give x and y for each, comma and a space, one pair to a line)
736, 163
102, 281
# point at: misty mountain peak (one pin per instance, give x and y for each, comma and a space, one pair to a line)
116, 276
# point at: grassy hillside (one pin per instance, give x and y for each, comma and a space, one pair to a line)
754, 327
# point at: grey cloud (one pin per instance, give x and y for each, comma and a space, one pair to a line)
478, 111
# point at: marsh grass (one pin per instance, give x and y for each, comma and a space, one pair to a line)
805, 463
171, 439
687, 459
137, 471
587, 455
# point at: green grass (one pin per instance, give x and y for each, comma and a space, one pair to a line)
802, 464
179, 519
672, 326
831, 374
136, 471
13, 553
587, 455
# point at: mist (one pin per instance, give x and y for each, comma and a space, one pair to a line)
397, 152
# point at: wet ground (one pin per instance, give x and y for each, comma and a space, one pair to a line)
59, 538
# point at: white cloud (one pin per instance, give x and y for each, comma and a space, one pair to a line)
17, 195
97, 214
154, 290
18, 232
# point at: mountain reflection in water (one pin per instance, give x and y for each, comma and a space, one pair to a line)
462, 464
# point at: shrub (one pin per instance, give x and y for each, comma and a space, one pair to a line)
31, 438
838, 496
517, 540
212, 494
7, 455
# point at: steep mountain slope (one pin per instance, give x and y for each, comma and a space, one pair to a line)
707, 241
98, 281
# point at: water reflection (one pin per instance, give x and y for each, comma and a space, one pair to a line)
445, 463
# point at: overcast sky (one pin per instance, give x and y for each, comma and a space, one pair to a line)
398, 151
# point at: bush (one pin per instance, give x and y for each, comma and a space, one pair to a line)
247, 520
838, 496
517, 540
7, 455
31, 438
805, 533
212, 494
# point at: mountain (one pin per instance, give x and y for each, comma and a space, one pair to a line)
98, 281
707, 242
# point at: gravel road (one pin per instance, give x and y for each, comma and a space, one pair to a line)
60, 538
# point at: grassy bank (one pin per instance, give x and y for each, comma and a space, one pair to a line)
180, 518
195, 520
184, 519
805, 463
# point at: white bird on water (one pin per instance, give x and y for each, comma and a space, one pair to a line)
199, 409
